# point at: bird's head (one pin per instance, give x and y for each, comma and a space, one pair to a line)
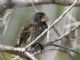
40, 17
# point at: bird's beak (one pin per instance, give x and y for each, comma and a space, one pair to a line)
45, 19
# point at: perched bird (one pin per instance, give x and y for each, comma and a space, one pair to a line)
33, 28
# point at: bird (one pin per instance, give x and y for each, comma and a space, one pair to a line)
32, 29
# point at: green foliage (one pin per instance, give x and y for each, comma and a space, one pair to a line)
59, 10
77, 57
62, 56
7, 56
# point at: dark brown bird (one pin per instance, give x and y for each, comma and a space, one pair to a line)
33, 28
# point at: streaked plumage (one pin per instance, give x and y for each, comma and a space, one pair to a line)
33, 28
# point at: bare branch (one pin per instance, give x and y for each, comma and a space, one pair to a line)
65, 48
17, 51
60, 38
54, 28
22, 3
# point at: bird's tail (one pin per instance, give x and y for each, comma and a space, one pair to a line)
18, 43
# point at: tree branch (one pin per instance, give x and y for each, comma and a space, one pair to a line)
17, 51
68, 49
60, 38
22, 3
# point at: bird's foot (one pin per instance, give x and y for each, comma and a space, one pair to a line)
38, 47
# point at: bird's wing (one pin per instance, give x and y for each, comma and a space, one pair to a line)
25, 33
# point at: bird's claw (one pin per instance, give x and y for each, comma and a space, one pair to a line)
38, 47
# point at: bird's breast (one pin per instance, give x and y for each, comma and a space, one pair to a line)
37, 30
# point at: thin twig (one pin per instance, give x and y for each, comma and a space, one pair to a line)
66, 48
30, 55
54, 28
5, 20
48, 33
68, 32
56, 21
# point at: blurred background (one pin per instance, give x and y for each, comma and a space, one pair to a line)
21, 15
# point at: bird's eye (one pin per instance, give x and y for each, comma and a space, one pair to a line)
40, 16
